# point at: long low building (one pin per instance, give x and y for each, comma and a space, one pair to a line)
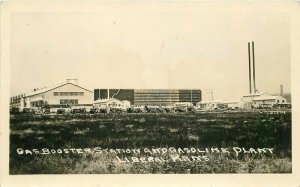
247, 102
262, 100
150, 97
64, 94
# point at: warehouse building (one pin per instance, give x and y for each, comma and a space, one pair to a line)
265, 100
247, 102
68, 93
150, 97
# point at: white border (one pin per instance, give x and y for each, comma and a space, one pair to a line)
149, 180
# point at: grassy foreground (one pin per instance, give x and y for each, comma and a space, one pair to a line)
102, 143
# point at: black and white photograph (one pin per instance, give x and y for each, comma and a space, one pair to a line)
127, 87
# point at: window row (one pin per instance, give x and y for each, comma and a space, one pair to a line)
68, 93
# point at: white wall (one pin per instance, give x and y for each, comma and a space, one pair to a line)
49, 97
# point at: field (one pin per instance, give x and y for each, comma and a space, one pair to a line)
148, 143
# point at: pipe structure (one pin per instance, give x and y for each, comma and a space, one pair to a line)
253, 60
250, 85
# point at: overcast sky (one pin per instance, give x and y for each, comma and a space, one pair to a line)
157, 46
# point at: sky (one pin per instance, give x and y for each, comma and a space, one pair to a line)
193, 46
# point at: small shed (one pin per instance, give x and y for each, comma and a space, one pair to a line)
111, 102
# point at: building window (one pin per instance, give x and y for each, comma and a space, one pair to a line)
37, 103
68, 101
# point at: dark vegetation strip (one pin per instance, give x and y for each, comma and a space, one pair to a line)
143, 130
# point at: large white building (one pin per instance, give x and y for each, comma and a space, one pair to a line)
247, 102
64, 94
265, 100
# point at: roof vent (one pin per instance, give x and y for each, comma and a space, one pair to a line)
73, 81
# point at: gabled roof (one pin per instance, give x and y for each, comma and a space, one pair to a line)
262, 98
52, 88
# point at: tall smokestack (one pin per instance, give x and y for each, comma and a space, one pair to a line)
250, 85
253, 59
281, 90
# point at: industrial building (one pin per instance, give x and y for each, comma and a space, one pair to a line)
239, 104
248, 102
210, 105
68, 93
15, 101
111, 102
150, 97
254, 99
265, 100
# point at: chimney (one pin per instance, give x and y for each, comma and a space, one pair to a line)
281, 90
253, 59
250, 85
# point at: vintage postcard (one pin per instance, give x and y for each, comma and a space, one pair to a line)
100, 89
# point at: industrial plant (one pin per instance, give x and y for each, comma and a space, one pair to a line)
152, 97
69, 95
